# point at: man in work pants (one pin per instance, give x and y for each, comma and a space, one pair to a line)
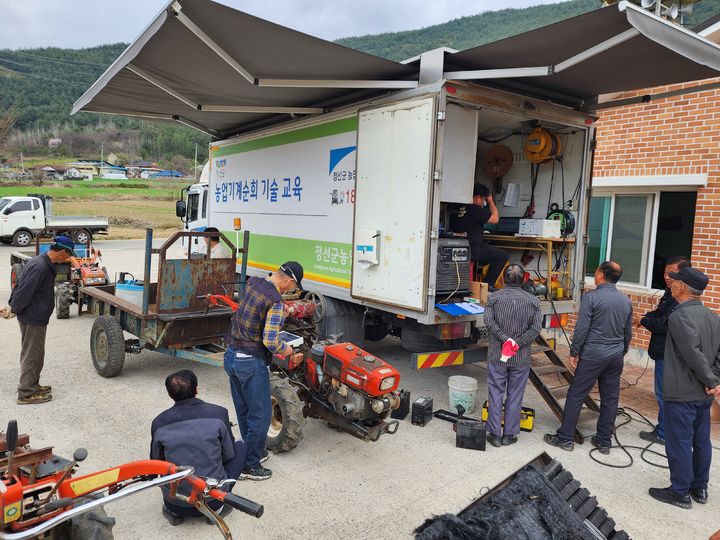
656, 322
602, 337
511, 315
252, 339
32, 301
692, 378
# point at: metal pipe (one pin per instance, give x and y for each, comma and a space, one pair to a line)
148, 265
243, 271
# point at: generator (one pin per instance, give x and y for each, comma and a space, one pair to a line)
453, 266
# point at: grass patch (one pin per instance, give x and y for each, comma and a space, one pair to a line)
90, 191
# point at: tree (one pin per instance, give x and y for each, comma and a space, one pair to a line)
7, 122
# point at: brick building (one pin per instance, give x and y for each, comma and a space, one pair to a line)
656, 190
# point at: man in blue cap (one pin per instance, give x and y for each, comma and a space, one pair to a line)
32, 301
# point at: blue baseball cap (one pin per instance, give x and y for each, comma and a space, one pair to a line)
64, 242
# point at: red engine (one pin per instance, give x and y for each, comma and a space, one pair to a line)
357, 384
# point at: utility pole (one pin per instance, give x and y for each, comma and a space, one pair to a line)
22, 162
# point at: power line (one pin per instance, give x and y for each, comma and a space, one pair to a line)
49, 59
48, 79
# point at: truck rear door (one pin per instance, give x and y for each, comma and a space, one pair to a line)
393, 195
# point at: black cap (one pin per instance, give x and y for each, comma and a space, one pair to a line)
692, 277
295, 270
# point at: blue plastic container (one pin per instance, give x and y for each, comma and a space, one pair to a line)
130, 291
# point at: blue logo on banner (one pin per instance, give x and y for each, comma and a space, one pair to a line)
337, 155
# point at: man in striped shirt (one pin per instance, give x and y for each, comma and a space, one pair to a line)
514, 320
253, 337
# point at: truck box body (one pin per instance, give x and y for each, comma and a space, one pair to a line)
360, 197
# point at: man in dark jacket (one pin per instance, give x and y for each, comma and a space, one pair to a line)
472, 220
197, 434
32, 301
252, 339
656, 322
600, 342
692, 378
511, 315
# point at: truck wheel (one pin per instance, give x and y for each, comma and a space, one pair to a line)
287, 421
15, 274
81, 236
418, 342
64, 297
22, 238
107, 346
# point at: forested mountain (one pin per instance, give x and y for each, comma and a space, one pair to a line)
40, 85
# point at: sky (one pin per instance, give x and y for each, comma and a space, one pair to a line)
85, 23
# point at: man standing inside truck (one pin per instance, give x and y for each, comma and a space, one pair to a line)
252, 339
32, 301
472, 220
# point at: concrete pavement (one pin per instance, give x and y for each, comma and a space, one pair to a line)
331, 485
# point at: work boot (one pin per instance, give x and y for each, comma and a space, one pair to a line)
652, 437
553, 440
495, 440
699, 495
602, 448
34, 399
256, 473
507, 440
667, 495
44, 389
173, 519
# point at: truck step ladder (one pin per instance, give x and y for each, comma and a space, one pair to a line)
551, 394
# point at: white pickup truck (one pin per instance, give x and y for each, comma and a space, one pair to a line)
22, 217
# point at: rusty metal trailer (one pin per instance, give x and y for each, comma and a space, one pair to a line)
175, 316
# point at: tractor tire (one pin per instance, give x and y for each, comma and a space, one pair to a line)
64, 297
287, 420
81, 236
107, 346
92, 525
15, 273
22, 238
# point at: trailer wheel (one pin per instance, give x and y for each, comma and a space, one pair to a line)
107, 346
15, 274
287, 420
22, 238
81, 236
64, 297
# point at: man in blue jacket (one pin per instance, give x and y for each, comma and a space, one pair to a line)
656, 322
194, 433
32, 301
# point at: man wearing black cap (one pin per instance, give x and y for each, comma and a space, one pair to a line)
32, 301
472, 220
252, 339
692, 378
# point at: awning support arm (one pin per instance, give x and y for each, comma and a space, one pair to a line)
161, 85
207, 40
323, 83
189, 123
260, 110
542, 71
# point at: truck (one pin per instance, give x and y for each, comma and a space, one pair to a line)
23, 217
363, 199
356, 166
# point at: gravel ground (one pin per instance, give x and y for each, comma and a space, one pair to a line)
331, 485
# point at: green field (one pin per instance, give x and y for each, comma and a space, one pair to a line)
97, 189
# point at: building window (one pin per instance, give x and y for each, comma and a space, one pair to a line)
640, 231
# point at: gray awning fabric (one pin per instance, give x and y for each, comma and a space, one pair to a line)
186, 75
225, 72
613, 49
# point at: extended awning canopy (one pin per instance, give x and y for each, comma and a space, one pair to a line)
224, 72
217, 69
613, 49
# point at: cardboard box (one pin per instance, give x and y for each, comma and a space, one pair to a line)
479, 290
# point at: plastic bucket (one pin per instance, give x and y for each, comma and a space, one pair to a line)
462, 391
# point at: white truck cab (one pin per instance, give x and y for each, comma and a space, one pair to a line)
20, 218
